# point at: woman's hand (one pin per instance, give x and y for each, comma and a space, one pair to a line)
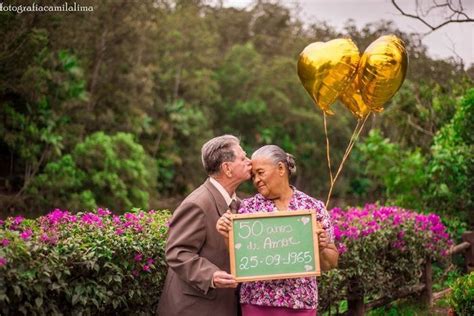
322, 236
327, 251
224, 224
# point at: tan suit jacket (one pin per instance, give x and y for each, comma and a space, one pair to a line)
194, 251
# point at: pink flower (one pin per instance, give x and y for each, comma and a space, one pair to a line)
103, 212
18, 220
48, 239
25, 235
5, 242
150, 261
399, 244
397, 220
92, 219
3, 261
119, 231
342, 248
337, 233
131, 217
355, 223
58, 216
146, 268
138, 257
116, 219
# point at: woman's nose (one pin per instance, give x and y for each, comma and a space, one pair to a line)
256, 179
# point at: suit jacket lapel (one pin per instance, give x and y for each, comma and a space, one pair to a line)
219, 200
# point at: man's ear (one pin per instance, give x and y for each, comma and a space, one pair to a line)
226, 170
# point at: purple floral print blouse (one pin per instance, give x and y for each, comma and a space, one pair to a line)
298, 293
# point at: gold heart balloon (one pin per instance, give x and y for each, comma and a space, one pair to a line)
326, 69
352, 99
381, 72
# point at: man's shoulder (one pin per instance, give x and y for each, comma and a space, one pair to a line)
200, 197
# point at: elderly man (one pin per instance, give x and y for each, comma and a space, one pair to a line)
198, 282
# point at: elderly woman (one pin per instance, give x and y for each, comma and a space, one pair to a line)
271, 170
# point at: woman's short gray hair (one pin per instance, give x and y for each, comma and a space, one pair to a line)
276, 155
218, 150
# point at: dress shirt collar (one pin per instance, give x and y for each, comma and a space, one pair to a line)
228, 199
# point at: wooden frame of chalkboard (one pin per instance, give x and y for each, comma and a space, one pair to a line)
299, 259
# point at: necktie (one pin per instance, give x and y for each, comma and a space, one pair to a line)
234, 206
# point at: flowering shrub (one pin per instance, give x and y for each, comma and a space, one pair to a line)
382, 249
85, 263
100, 263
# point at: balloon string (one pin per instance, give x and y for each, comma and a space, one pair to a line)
348, 148
352, 140
328, 156
355, 135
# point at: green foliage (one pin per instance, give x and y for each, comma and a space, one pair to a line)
441, 181
109, 171
461, 298
451, 170
389, 171
88, 263
455, 226
410, 307
189, 126
33, 124
445, 278
35, 113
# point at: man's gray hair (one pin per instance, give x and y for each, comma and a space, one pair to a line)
218, 150
276, 155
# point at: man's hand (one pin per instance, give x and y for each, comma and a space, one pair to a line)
224, 224
222, 279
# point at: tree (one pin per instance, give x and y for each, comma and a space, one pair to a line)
451, 169
106, 171
451, 11
174, 73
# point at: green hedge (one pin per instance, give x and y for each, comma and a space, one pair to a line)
461, 298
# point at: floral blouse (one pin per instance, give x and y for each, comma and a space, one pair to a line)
298, 293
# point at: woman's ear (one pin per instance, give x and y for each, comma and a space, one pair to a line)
281, 169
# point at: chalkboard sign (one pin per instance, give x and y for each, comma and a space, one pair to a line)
274, 245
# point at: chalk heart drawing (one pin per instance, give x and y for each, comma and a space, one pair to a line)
308, 268
305, 220
237, 246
